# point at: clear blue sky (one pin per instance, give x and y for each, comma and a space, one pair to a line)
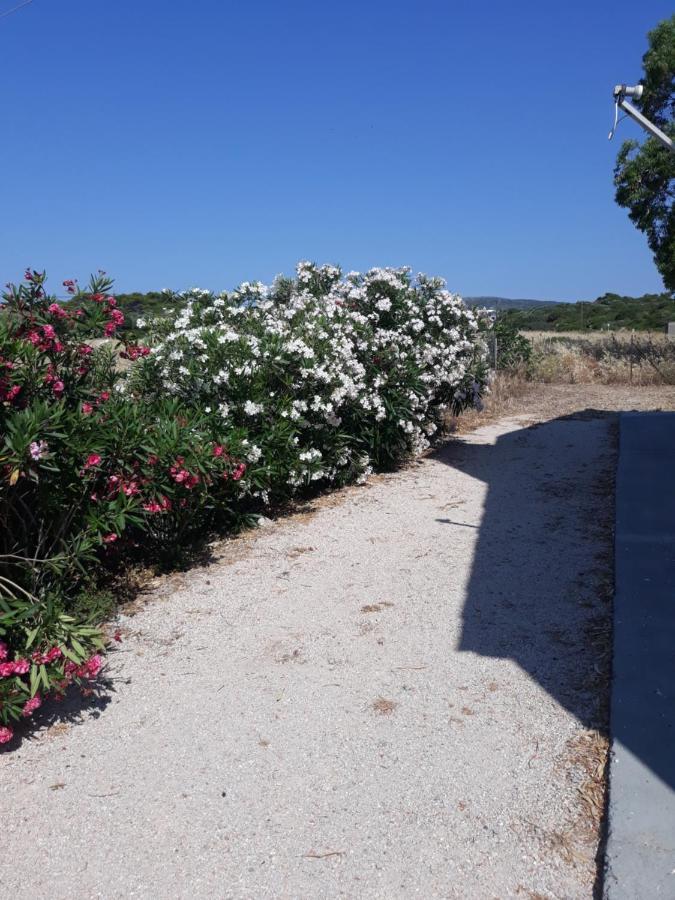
205, 142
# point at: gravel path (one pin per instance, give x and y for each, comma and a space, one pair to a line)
388, 697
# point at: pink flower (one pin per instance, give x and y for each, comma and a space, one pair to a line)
21, 666
6, 669
92, 460
103, 396
109, 329
117, 316
31, 705
13, 392
91, 667
57, 311
218, 450
239, 471
46, 658
152, 507
3, 650
85, 350
69, 285
58, 388
38, 449
6, 734
87, 408
109, 538
134, 351
49, 333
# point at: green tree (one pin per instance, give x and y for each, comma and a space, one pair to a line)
644, 175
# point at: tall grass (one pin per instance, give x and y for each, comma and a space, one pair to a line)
627, 358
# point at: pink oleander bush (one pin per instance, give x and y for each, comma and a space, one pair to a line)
86, 473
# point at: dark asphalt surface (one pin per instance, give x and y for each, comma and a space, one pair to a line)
640, 859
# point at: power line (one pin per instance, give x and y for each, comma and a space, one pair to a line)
15, 8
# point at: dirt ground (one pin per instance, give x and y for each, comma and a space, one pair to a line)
400, 691
539, 402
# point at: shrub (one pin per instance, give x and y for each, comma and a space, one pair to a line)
84, 473
326, 377
244, 399
514, 350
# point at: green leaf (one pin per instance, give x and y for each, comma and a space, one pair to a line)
34, 680
78, 648
69, 654
31, 635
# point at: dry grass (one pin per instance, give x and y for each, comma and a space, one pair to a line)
588, 752
598, 336
599, 357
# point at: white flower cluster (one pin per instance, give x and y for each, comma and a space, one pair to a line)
322, 368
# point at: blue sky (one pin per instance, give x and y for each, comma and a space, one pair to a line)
205, 142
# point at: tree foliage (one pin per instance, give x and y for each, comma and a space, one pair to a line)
644, 175
650, 312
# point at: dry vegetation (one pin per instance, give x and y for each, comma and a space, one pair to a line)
605, 358
575, 373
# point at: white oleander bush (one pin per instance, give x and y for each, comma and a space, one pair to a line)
323, 377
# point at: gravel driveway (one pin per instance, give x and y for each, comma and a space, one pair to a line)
391, 696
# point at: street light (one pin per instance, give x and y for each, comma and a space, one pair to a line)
621, 91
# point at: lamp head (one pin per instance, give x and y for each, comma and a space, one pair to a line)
626, 90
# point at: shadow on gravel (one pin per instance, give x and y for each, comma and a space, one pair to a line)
541, 581
54, 717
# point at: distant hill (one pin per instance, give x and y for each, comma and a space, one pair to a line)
651, 312
506, 302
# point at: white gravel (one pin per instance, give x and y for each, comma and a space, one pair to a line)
250, 749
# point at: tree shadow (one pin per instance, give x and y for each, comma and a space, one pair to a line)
542, 579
